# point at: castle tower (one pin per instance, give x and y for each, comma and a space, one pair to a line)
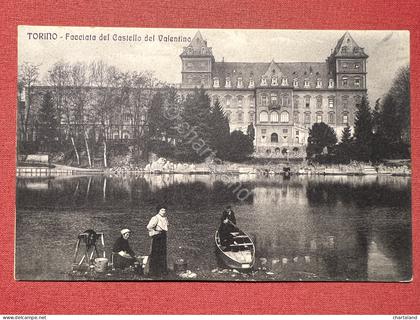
348, 63
197, 62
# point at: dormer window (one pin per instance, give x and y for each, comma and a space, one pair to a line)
251, 83
344, 50
215, 82
295, 83
203, 50
228, 83
356, 50
357, 82
190, 50
284, 82
331, 83
318, 83
274, 81
345, 65
306, 83
240, 83
345, 81
263, 81
357, 65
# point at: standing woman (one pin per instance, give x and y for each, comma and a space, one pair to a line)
158, 227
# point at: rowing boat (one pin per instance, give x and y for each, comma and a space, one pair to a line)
239, 254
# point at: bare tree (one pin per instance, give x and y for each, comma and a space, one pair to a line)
28, 78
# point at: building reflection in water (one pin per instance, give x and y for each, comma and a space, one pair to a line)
328, 228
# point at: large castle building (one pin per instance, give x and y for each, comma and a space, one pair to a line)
281, 99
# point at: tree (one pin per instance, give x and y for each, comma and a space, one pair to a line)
250, 131
219, 131
28, 78
346, 135
194, 136
240, 146
363, 131
320, 136
48, 123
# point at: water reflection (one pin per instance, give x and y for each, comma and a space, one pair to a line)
310, 228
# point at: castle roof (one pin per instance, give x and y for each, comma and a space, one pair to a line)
290, 70
348, 48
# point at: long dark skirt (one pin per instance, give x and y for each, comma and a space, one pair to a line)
122, 263
158, 264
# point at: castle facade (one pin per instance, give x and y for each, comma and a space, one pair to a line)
281, 99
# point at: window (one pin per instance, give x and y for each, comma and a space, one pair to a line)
331, 117
331, 83
263, 131
240, 83
297, 133
284, 82
274, 81
251, 101
274, 116
345, 119
240, 116
127, 117
229, 115
284, 117
344, 50
296, 117
331, 102
228, 83
251, 83
307, 101
357, 65
263, 116
318, 83
263, 81
296, 102
345, 102
345, 65
251, 116
240, 101
345, 81
306, 83
264, 100
295, 83
319, 102
319, 118
203, 50
215, 98
274, 138
357, 82
307, 118
273, 99
228, 100
216, 82
285, 130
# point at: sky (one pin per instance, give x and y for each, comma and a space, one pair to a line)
387, 50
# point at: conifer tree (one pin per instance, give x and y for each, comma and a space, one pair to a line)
194, 136
48, 123
219, 131
363, 128
346, 135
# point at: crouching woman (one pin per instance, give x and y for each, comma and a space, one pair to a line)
124, 256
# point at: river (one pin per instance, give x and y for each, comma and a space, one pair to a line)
309, 228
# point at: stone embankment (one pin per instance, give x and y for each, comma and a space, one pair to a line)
163, 166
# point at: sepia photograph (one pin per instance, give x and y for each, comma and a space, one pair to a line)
213, 155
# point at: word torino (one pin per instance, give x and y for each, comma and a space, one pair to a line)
42, 36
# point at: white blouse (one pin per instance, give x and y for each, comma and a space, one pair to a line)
157, 224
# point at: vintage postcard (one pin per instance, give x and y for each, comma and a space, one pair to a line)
213, 155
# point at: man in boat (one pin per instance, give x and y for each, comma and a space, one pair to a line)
124, 256
158, 227
227, 226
